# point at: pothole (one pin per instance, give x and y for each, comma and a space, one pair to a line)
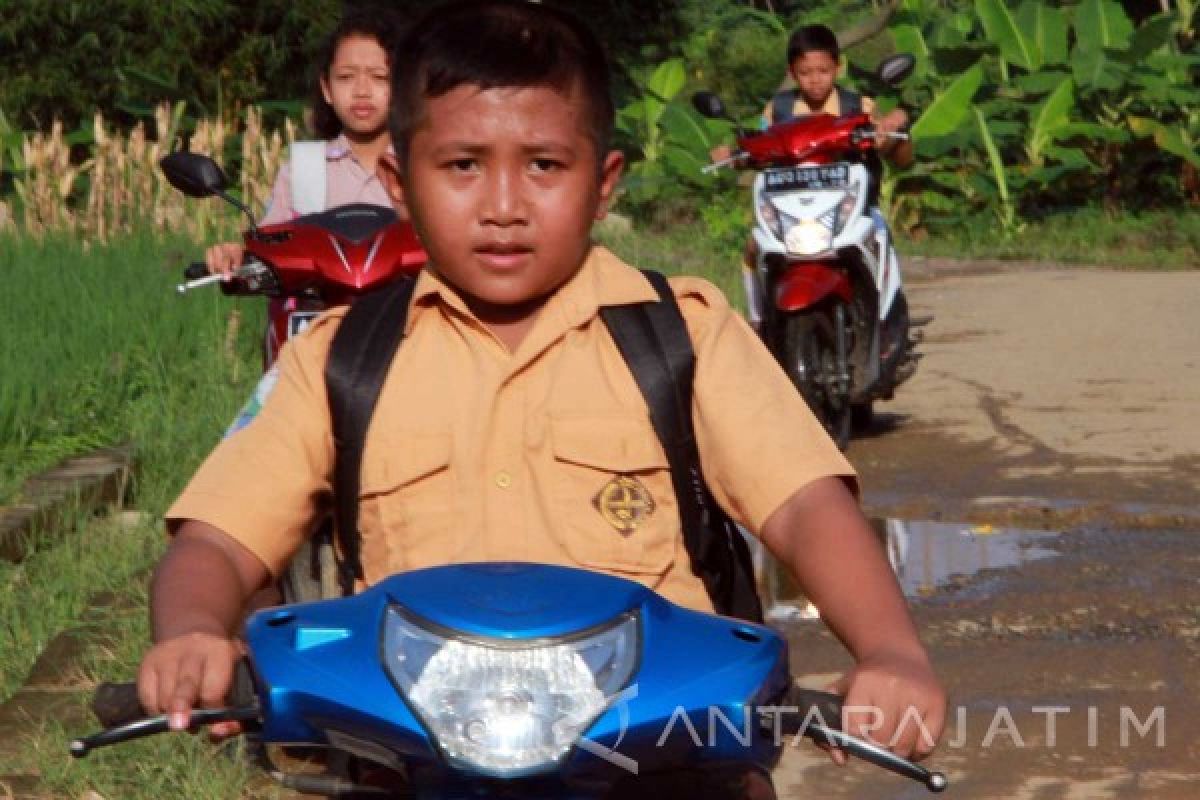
927, 556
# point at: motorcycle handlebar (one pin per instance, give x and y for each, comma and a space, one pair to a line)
255, 274
194, 270
117, 707
818, 715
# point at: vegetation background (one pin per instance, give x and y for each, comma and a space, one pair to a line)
1064, 131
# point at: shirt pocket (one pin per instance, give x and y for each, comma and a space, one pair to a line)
614, 502
407, 503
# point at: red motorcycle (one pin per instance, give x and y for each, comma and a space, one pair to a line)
304, 266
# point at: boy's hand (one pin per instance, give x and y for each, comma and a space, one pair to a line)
224, 258
189, 671
895, 701
720, 153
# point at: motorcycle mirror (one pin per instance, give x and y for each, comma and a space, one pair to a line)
198, 175
709, 105
194, 174
894, 69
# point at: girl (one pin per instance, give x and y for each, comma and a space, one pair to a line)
352, 163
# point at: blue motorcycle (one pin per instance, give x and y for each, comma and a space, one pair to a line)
516, 680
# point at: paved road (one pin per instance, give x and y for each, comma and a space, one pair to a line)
1072, 385
1063, 400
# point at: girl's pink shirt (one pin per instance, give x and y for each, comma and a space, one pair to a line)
346, 182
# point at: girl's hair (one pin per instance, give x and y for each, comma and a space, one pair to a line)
499, 44
812, 38
375, 23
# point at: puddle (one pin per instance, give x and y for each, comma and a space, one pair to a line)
925, 554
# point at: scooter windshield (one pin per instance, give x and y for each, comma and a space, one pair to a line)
354, 223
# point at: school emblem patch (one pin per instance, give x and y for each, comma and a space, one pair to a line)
624, 502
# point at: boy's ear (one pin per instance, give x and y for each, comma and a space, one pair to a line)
610, 176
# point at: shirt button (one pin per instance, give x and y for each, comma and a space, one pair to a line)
503, 479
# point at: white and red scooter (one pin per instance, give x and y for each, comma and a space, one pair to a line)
826, 290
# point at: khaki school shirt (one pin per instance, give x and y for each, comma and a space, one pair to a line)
801, 107
545, 454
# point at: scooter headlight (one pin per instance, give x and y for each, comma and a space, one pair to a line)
776, 221
506, 707
845, 208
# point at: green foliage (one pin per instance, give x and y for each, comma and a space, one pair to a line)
1057, 103
67, 59
669, 140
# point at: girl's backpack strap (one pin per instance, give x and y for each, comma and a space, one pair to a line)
308, 176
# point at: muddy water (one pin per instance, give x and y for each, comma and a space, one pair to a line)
1075, 676
926, 555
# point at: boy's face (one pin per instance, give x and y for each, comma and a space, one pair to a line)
358, 86
814, 73
503, 186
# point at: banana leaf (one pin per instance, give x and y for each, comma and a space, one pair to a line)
1100, 24
1168, 139
1046, 26
1001, 28
997, 165
1149, 37
1094, 69
1041, 82
1049, 117
950, 108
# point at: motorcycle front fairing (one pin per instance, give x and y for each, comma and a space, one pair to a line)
347, 250
324, 675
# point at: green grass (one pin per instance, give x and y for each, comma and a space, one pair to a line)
96, 348
1157, 240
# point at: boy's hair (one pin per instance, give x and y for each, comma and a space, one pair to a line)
375, 23
498, 44
812, 38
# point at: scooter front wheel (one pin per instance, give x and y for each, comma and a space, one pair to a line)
810, 354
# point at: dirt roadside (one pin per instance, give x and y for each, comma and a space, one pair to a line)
1064, 400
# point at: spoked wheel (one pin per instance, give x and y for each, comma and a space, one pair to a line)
312, 572
810, 355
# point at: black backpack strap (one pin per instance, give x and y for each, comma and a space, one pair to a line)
655, 343
783, 106
359, 357
849, 102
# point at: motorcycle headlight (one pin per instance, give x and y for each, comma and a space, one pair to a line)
845, 208
777, 221
502, 706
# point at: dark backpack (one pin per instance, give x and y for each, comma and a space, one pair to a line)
655, 343
783, 104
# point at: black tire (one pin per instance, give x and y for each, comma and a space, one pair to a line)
862, 415
809, 354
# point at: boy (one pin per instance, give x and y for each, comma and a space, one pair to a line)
813, 58
525, 411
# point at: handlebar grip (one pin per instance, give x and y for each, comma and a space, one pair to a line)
822, 708
116, 704
195, 270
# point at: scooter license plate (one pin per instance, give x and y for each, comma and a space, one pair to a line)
299, 320
790, 179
